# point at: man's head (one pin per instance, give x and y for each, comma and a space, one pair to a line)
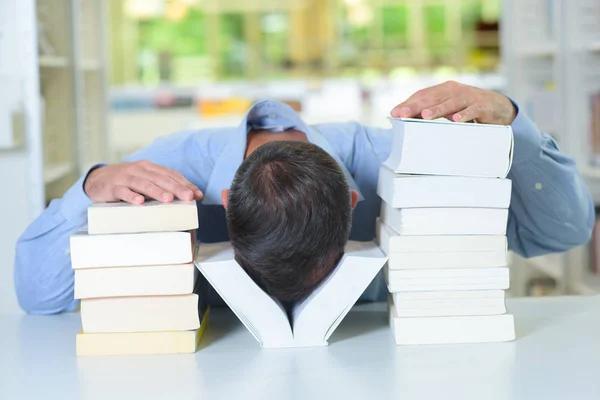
289, 213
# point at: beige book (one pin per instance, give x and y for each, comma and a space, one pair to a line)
172, 342
140, 314
156, 280
130, 249
152, 216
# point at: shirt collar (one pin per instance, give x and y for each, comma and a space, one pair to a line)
266, 114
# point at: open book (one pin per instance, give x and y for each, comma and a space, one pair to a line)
310, 322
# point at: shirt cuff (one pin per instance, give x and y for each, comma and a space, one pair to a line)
75, 202
527, 137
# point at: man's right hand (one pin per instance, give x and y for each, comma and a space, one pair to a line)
132, 181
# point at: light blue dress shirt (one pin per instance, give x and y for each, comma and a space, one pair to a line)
551, 208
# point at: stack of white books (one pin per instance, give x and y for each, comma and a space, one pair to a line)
443, 222
134, 273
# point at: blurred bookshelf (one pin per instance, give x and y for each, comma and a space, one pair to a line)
72, 81
555, 76
183, 42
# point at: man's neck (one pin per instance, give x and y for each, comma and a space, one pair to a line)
259, 137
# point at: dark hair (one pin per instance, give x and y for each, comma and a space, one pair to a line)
289, 215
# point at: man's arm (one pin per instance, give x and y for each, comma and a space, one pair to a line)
551, 208
43, 275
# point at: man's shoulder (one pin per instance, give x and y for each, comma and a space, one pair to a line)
209, 140
334, 129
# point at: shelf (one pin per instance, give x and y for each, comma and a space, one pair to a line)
594, 46
54, 172
542, 50
549, 265
591, 173
90, 65
591, 176
53, 61
589, 285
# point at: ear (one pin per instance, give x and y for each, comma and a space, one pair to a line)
224, 194
354, 197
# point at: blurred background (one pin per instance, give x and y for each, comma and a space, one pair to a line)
87, 81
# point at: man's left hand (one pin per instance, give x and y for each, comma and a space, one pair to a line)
458, 103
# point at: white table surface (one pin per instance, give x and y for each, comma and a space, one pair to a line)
556, 356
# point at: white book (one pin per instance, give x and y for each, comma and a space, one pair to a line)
450, 148
151, 216
438, 259
447, 273
447, 260
452, 330
445, 221
313, 320
155, 280
449, 295
449, 307
447, 279
130, 249
393, 243
412, 191
140, 314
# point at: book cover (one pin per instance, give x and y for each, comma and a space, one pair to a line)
450, 148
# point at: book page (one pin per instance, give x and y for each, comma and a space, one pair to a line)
317, 317
262, 315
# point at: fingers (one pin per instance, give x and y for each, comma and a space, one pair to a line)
448, 107
424, 99
183, 189
125, 194
171, 186
142, 185
477, 112
413, 107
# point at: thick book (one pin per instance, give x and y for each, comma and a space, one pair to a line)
155, 280
140, 314
308, 323
414, 191
447, 279
151, 216
452, 330
130, 249
391, 242
426, 253
445, 221
171, 342
450, 148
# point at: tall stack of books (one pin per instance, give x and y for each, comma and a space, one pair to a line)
134, 273
443, 227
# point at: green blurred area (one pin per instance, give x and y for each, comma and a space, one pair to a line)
341, 38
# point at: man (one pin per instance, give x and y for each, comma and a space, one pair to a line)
288, 207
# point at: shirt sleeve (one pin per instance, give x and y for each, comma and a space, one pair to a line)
551, 207
44, 280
